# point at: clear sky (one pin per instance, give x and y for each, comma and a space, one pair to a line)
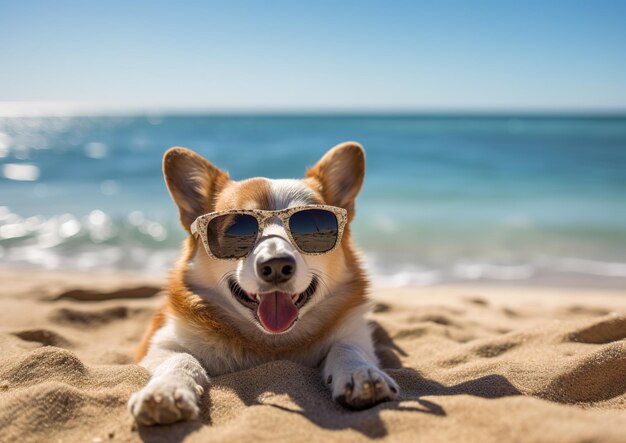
318, 55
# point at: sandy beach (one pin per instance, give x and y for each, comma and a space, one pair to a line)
474, 363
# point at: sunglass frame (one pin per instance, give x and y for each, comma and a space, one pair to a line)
200, 225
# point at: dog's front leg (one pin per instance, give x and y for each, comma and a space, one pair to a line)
351, 371
173, 392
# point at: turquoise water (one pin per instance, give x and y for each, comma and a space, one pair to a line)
446, 198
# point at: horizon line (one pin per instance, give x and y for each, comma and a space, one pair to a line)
13, 109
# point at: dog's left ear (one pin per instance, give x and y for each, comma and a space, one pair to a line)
340, 175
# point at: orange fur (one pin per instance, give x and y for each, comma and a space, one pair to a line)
339, 175
256, 194
155, 324
253, 193
186, 305
188, 174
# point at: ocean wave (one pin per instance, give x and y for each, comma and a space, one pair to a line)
541, 270
99, 241
583, 266
95, 241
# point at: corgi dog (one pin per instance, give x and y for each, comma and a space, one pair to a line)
269, 271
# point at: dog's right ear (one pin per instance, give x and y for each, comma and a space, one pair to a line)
340, 174
193, 183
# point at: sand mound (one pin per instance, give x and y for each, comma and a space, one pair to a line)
528, 365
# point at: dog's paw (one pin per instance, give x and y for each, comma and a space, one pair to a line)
362, 387
164, 403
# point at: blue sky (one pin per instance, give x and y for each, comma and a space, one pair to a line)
321, 55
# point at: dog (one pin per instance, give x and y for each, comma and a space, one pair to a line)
268, 272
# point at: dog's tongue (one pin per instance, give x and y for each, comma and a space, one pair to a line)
276, 311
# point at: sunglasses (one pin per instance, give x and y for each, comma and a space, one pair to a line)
232, 235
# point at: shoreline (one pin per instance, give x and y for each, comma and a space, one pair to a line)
81, 276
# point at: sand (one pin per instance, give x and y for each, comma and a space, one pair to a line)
482, 363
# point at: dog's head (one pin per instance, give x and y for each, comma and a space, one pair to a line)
275, 286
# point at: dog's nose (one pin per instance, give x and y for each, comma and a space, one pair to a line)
276, 269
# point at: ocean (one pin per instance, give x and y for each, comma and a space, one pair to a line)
446, 199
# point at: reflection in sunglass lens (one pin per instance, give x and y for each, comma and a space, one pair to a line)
232, 235
314, 230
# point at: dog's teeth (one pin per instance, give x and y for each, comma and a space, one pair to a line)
256, 296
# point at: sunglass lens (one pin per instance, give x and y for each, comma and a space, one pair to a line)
232, 235
314, 230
